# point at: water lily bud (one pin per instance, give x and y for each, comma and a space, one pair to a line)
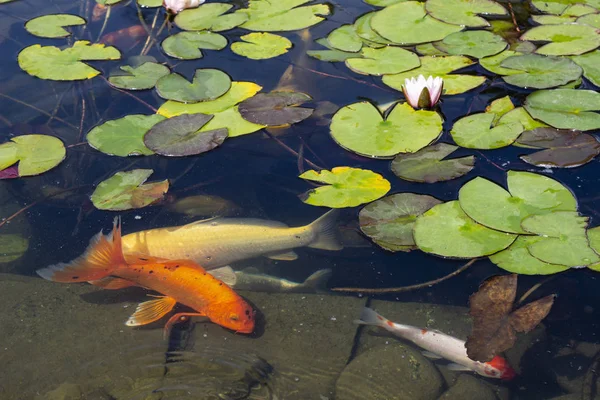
175, 6
421, 92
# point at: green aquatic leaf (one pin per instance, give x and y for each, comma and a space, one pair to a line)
428, 49
500, 107
445, 230
563, 239
593, 236
383, 3
540, 72
559, 6
565, 108
407, 23
493, 63
12, 247
108, 2
464, 12
330, 55
261, 46
187, 45
210, 17
345, 38
52, 25
518, 260
283, 15
590, 62
590, 19
34, 153
276, 108
386, 60
361, 128
140, 77
476, 44
363, 29
389, 221
521, 115
124, 136
150, 3
565, 39
427, 165
49, 62
442, 67
181, 136
208, 84
126, 190
346, 187
476, 131
528, 194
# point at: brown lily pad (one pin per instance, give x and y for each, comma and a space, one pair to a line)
276, 108
563, 148
494, 326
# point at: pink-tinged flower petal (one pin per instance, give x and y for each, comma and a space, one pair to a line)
435, 90
175, 6
412, 92
10, 172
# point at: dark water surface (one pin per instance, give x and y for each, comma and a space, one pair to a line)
73, 338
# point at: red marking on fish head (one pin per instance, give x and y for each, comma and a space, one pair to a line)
390, 323
423, 331
498, 367
379, 317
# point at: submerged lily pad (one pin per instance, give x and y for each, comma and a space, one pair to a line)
565, 108
389, 221
386, 60
208, 84
518, 260
442, 67
140, 77
476, 132
345, 38
187, 45
52, 25
124, 136
261, 46
34, 153
361, 128
282, 15
540, 72
49, 62
210, 17
12, 247
407, 23
563, 148
528, 194
445, 230
347, 187
181, 136
565, 39
276, 108
476, 44
126, 190
464, 12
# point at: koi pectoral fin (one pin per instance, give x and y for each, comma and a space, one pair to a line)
151, 310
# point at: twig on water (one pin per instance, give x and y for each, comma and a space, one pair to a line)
154, 109
292, 151
38, 110
514, 19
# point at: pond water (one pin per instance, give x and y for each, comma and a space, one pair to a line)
69, 341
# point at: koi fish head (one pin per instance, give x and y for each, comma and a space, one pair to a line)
498, 367
237, 316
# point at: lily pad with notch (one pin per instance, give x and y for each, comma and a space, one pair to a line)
124, 136
559, 6
477, 131
345, 187
363, 29
188, 45
565, 39
126, 190
330, 55
476, 44
540, 72
52, 25
493, 63
139, 77
427, 165
500, 107
590, 62
208, 84
181, 136
385, 60
345, 38
282, 15
465, 13
210, 17
517, 259
565, 108
261, 46
276, 108
34, 153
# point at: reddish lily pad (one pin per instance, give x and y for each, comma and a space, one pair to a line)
275, 108
126, 190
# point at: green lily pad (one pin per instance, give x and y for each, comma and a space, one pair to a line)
52, 25
518, 260
590, 19
389, 221
476, 132
442, 67
34, 153
445, 230
563, 239
180, 136
499, 108
126, 190
362, 27
124, 136
476, 44
346, 187
541, 72
283, 15
330, 55
276, 108
553, 19
565, 108
208, 84
428, 49
141, 77
345, 38
150, 3
187, 45
210, 17
49, 62
12, 247
528, 194
521, 115
493, 63
565, 39
107, 2
464, 12
559, 6
590, 62
407, 23
261, 46
383, 3
427, 165
361, 128
386, 60
562, 148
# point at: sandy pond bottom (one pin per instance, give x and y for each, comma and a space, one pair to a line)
70, 342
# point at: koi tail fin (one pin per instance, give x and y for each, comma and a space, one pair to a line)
370, 317
103, 255
318, 280
326, 233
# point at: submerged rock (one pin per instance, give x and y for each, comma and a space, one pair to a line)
394, 372
469, 387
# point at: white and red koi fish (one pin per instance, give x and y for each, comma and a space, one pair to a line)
439, 345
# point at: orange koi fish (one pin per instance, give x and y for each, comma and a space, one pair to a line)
124, 37
179, 281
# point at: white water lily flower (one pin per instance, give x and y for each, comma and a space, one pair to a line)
175, 6
421, 92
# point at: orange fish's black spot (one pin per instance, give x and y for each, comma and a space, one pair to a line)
75, 277
150, 272
143, 259
220, 283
